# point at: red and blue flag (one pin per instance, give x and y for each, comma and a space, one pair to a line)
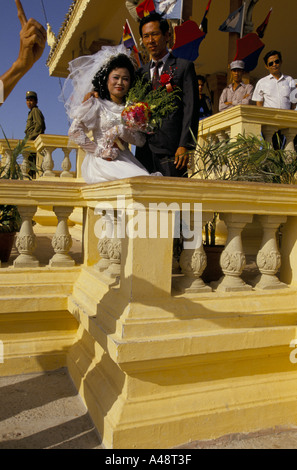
204, 23
261, 29
249, 49
188, 37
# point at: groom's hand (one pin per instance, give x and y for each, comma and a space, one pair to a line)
181, 158
95, 94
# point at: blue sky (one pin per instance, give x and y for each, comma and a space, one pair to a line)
13, 113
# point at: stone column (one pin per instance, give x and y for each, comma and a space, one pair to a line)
26, 240
62, 241
146, 267
268, 257
232, 258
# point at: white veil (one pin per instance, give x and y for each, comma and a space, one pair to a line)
82, 71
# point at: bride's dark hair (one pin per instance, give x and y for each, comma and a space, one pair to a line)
100, 79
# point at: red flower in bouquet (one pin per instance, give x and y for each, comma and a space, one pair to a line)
137, 116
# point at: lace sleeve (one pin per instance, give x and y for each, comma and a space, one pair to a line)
77, 133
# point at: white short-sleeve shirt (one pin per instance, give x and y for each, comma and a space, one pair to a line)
274, 93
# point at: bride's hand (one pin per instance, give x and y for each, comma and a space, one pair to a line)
108, 153
111, 135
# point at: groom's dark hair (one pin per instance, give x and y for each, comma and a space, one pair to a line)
100, 79
164, 25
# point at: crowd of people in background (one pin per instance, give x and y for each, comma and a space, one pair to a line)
276, 90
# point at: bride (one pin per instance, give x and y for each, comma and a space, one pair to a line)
111, 72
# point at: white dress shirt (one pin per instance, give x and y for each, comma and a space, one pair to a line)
274, 93
163, 60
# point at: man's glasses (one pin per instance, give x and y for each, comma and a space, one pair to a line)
276, 62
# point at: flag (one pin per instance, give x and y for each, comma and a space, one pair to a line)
203, 25
261, 29
145, 8
233, 23
171, 9
188, 37
249, 49
137, 56
130, 43
127, 38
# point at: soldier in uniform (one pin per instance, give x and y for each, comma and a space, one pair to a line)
35, 123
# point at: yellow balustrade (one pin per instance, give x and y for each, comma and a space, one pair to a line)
249, 120
44, 146
50, 166
158, 359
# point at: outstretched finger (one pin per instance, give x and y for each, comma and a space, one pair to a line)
21, 13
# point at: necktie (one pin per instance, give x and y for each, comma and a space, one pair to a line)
156, 76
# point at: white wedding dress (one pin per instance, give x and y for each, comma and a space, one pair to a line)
100, 116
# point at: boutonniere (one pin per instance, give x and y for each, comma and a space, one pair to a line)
166, 79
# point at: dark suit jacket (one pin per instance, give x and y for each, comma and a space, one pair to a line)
175, 129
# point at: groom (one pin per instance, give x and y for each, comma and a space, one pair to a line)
167, 149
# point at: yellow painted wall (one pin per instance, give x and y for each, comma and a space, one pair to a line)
108, 20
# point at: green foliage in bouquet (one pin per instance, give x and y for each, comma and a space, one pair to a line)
160, 102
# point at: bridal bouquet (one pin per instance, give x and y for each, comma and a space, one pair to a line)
145, 108
137, 116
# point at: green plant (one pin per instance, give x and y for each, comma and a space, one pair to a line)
243, 158
10, 220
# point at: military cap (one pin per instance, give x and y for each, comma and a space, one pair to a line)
31, 94
237, 64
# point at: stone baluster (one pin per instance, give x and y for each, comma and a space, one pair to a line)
193, 262
104, 241
211, 139
228, 133
7, 160
25, 166
62, 241
66, 164
48, 162
104, 261
268, 257
232, 258
222, 135
26, 240
114, 248
290, 135
268, 132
